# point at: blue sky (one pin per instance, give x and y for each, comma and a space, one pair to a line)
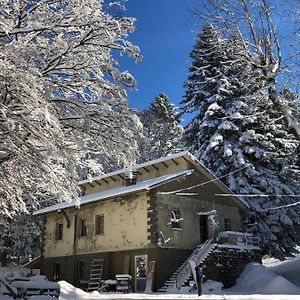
165, 33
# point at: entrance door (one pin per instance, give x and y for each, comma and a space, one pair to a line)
141, 262
203, 228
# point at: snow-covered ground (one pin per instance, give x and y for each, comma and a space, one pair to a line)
274, 280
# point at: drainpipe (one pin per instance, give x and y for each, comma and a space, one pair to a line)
43, 236
74, 247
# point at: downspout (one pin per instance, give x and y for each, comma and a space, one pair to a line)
43, 236
74, 247
44, 220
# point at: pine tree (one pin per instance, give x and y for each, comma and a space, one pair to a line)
161, 128
236, 127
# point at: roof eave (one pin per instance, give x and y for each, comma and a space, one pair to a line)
240, 202
139, 166
143, 189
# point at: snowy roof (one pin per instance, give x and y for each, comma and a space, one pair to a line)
186, 155
114, 192
137, 167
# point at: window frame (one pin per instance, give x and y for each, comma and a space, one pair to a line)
82, 227
227, 224
175, 225
99, 224
59, 231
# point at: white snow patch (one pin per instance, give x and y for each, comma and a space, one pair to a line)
257, 279
289, 269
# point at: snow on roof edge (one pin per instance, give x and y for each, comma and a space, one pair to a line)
138, 166
143, 185
163, 159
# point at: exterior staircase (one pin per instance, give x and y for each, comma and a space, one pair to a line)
184, 272
95, 275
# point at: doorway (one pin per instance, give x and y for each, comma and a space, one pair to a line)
203, 226
141, 270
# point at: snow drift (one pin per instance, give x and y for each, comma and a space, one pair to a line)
257, 279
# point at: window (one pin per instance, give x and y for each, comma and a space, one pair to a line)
99, 224
175, 219
227, 224
56, 272
83, 227
59, 231
81, 270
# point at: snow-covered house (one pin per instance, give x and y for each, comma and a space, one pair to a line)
147, 220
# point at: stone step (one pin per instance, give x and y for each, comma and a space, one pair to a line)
169, 282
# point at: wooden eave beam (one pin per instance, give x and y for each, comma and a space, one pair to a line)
175, 162
185, 159
156, 168
90, 184
105, 180
98, 182
121, 177
165, 164
146, 169
113, 179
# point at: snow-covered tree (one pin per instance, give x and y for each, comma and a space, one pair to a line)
257, 24
238, 131
161, 130
62, 103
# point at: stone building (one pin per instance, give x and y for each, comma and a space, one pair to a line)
150, 217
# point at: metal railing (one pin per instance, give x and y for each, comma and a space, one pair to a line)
236, 237
192, 261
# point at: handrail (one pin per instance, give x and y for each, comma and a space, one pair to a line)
196, 258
